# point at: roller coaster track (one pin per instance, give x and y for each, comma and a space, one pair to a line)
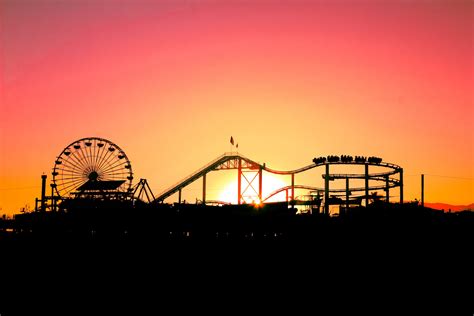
311, 188
215, 165
395, 168
194, 176
230, 161
376, 177
289, 187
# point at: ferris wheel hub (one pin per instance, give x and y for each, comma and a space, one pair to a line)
93, 176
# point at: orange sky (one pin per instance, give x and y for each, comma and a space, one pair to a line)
171, 81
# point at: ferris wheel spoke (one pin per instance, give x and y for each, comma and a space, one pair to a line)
67, 184
95, 154
110, 159
71, 163
73, 168
84, 158
69, 181
106, 169
88, 170
105, 158
77, 154
117, 175
70, 177
72, 182
68, 188
70, 169
116, 165
68, 173
81, 152
88, 167
80, 160
114, 175
68, 161
101, 155
91, 155
88, 155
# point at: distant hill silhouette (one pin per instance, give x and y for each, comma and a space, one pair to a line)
446, 207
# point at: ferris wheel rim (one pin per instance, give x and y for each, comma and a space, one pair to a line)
92, 167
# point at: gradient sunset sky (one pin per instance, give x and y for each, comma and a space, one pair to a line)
171, 81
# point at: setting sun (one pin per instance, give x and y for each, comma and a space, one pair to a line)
249, 195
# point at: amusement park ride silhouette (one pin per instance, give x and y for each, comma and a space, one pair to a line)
94, 168
94, 203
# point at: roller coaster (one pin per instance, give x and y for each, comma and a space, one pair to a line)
95, 168
391, 178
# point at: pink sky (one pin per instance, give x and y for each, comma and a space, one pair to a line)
170, 81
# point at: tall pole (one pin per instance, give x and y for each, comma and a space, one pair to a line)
292, 186
43, 192
387, 189
326, 190
53, 201
422, 190
239, 181
401, 185
260, 184
179, 196
366, 184
204, 189
347, 194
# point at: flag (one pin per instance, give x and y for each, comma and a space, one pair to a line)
232, 140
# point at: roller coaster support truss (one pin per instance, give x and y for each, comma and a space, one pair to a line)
249, 175
250, 182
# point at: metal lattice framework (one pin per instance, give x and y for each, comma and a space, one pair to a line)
91, 165
249, 178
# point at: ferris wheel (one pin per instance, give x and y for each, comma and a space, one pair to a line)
92, 164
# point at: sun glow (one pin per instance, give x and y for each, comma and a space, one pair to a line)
270, 184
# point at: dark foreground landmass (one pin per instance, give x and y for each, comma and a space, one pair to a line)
386, 259
96, 221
